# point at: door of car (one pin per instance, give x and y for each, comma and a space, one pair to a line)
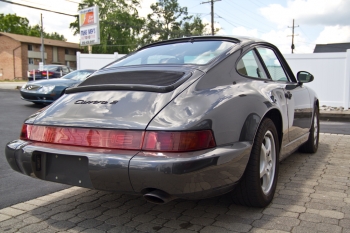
65, 70
298, 100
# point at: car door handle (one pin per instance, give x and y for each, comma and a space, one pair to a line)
288, 95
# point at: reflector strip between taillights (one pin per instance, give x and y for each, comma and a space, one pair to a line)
164, 141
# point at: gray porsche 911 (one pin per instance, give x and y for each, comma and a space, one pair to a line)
186, 118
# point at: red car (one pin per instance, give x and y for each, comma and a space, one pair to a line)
49, 71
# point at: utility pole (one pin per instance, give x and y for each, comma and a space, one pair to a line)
293, 46
212, 14
42, 41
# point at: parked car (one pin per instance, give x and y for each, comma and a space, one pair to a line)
185, 118
48, 90
49, 71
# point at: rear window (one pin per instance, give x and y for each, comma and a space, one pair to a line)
196, 52
52, 68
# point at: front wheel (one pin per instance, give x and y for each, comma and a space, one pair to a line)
311, 145
258, 184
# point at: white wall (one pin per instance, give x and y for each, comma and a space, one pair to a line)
331, 72
95, 61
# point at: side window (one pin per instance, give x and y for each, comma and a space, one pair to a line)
65, 69
248, 65
134, 62
273, 64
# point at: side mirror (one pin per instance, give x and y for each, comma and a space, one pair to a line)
304, 77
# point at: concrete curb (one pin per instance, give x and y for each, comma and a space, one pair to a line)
334, 115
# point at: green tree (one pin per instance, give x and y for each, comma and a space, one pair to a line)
12, 23
165, 22
196, 27
54, 36
120, 25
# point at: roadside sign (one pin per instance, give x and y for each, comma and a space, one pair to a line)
89, 26
41, 66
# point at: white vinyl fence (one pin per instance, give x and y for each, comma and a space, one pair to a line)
331, 72
95, 61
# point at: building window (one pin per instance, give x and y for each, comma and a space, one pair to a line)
66, 51
30, 47
31, 61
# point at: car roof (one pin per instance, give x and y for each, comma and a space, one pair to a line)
237, 39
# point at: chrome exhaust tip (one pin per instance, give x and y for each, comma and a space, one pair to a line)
158, 197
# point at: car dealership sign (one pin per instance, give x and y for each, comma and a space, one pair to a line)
89, 26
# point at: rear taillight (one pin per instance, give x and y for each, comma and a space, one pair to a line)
45, 73
100, 138
178, 141
24, 132
121, 139
35, 71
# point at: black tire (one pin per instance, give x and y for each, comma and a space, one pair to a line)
311, 145
255, 189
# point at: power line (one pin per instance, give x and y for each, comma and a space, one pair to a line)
225, 20
37, 8
254, 3
73, 1
260, 3
253, 15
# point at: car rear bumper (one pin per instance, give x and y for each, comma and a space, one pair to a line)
191, 175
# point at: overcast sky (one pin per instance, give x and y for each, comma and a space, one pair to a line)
319, 21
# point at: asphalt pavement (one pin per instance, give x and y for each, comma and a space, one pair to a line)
15, 187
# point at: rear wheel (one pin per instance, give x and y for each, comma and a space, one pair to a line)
311, 145
258, 184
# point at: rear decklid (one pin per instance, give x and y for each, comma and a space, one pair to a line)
119, 98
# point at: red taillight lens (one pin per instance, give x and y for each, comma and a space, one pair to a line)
25, 132
44, 73
178, 141
100, 138
121, 139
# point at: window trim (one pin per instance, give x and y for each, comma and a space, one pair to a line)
258, 61
285, 66
265, 67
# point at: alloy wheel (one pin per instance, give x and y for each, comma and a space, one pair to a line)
267, 162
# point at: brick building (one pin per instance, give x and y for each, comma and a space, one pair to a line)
19, 53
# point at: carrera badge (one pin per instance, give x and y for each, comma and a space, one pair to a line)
95, 102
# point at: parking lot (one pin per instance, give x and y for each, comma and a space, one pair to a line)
312, 196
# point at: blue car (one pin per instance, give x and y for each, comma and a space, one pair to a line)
48, 90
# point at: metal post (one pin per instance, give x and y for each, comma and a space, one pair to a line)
293, 38
42, 41
90, 49
212, 17
34, 75
212, 14
293, 46
47, 74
